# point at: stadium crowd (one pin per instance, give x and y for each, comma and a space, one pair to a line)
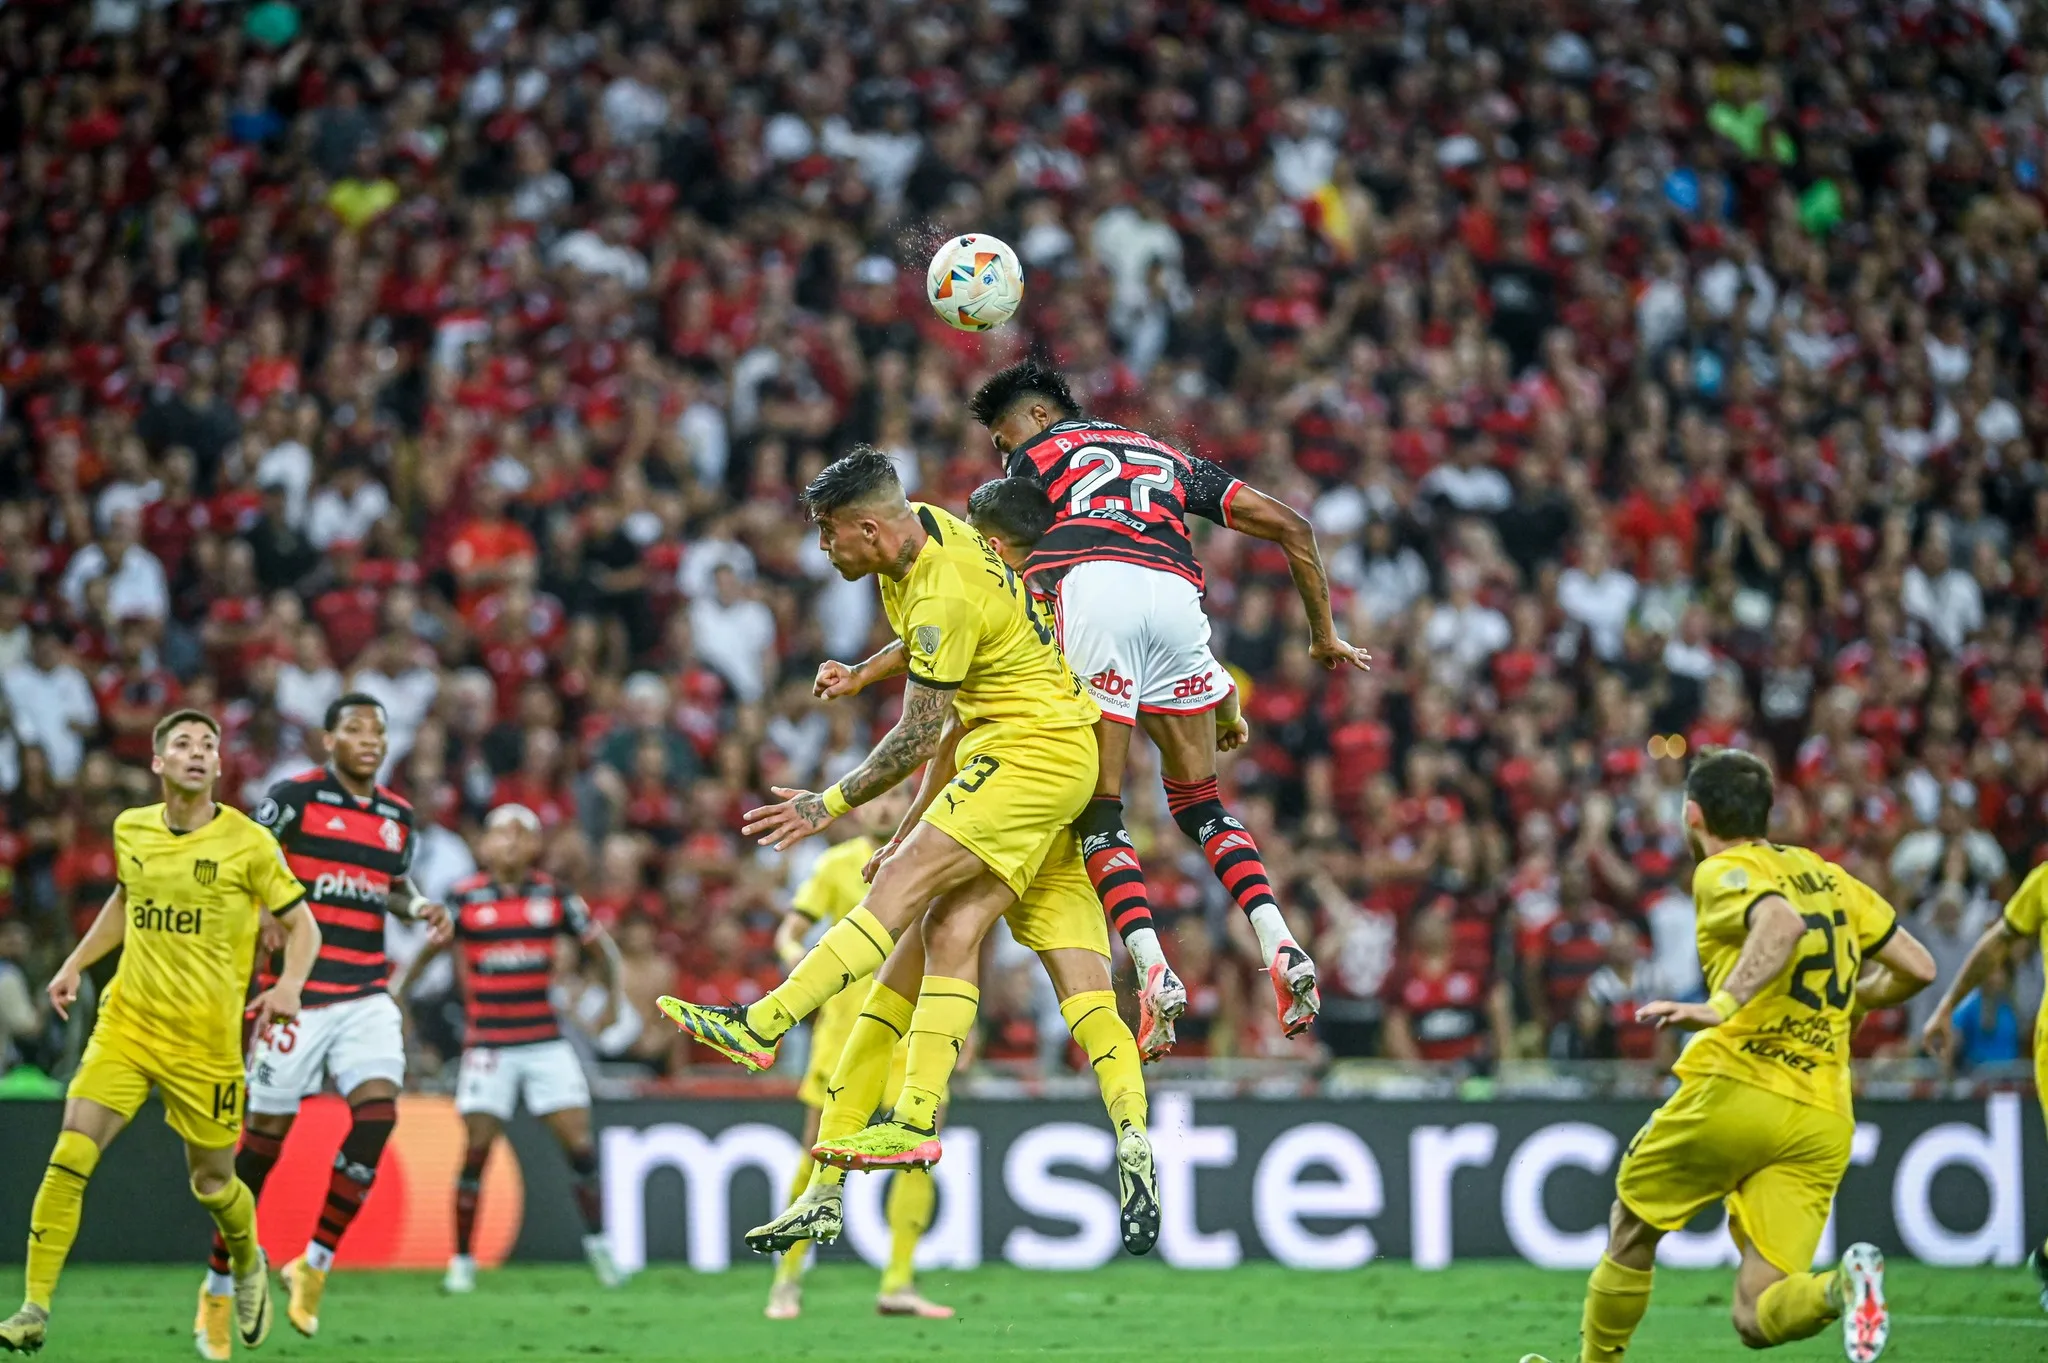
1657, 375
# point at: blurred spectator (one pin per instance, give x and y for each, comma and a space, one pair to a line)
1439, 1010
53, 707
1987, 1026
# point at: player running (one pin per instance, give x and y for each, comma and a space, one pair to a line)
834, 886
350, 842
195, 877
1126, 588
979, 651
2025, 918
1796, 950
506, 919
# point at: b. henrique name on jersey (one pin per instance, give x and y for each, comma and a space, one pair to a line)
348, 853
505, 937
1119, 494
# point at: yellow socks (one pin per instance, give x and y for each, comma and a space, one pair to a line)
911, 1200
858, 1080
1112, 1052
789, 1266
53, 1219
1616, 1298
851, 949
233, 1209
1796, 1307
938, 1029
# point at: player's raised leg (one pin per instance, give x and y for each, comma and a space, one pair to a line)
1187, 754
1111, 860
928, 863
948, 1001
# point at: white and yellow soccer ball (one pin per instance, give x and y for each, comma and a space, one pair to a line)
975, 282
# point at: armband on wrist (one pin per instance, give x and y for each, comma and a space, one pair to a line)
1723, 1003
836, 802
414, 905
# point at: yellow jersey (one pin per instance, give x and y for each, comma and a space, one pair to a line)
834, 885
968, 625
192, 901
2026, 914
1792, 1037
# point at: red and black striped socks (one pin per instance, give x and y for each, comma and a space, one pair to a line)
253, 1163
355, 1168
1119, 880
1233, 854
468, 1188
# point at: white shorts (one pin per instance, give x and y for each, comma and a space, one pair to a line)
546, 1074
1139, 638
352, 1042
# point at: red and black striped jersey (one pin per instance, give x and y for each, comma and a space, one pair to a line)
1119, 494
505, 944
349, 853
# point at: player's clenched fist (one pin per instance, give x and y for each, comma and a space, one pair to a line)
835, 681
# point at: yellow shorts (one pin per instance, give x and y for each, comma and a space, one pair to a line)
1017, 791
202, 1097
1059, 908
1775, 1161
834, 1023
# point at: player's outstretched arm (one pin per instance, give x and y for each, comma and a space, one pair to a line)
1775, 928
902, 750
108, 931
1266, 518
402, 979
1992, 949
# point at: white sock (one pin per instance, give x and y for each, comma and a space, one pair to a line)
318, 1256
466, 1260
594, 1242
219, 1284
1272, 930
1143, 944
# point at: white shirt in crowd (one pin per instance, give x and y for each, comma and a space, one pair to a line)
1601, 604
1949, 604
46, 705
135, 586
303, 695
333, 519
1480, 491
703, 559
733, 641
1461, 638
291, 464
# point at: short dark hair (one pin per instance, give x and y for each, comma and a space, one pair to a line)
176, 717
1734, 790
1015, 508
858, 476
342, 703
1026, 378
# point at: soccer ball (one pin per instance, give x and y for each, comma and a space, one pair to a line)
975, 282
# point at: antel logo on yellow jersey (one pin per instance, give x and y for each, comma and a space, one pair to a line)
154, 917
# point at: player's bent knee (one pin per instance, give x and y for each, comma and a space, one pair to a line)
1629, 1237
208, 1182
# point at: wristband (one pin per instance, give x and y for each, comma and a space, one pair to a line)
1723, 1003
836, 802
414, 905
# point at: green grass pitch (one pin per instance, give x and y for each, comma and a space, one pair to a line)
1473, 1313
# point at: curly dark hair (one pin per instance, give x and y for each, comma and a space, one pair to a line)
859, 475
1026, 378
1015, 508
